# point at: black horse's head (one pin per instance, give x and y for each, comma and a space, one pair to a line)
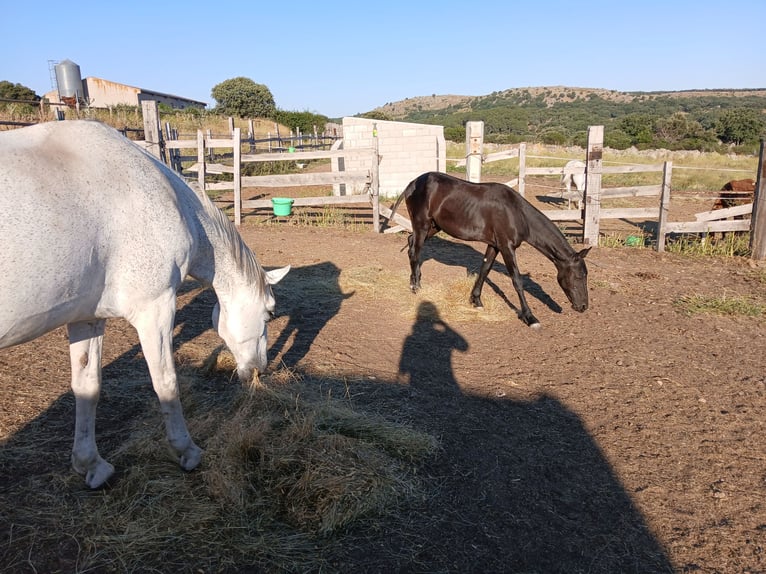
573, 278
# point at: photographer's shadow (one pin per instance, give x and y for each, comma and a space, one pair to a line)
519, 484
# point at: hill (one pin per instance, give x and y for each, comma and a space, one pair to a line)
561, 115
551, 96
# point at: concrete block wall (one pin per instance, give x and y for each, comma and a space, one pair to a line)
406, 150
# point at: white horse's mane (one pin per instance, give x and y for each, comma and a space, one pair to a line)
227, 231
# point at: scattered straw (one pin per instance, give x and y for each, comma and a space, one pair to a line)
281, 466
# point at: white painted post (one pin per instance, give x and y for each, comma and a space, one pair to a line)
474, 142
593, 185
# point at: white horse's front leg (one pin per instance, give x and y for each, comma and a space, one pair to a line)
155, 331
85, 342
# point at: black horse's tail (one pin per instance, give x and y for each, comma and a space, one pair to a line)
406, 193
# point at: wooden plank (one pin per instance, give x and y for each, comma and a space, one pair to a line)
219, 142
706, 226
631, 191
633, 168
501, 155
220, 186
746, 209
606, 169
305, 179
563, 214
312, 201
550, 170
305, 155
630, 213
401, 220
211, 168
181, 144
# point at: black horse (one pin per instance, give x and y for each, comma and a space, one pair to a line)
499, 216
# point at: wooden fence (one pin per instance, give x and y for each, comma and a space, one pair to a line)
593, 213
367, 177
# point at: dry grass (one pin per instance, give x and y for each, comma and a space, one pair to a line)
283, 465
451, 297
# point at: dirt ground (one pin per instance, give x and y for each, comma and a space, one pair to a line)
629, 438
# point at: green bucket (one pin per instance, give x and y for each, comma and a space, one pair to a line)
282, 205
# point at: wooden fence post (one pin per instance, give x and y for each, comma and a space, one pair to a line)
237, 163
152, 133
593, 184
664, 205
758, 218
201, 160
474, 142
522, 167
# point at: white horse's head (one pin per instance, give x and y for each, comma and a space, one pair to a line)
241, 322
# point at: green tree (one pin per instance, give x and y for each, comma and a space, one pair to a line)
639, 127
740, 126
16, 92
303, 121
243, 98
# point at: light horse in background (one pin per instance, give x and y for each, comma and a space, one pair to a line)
499, 216
574, 176
94, 227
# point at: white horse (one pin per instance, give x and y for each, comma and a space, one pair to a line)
574, 175
94, 227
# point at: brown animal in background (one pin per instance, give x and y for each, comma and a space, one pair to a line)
735, 192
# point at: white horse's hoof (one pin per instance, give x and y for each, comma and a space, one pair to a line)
99, 474
191, 458
535, 326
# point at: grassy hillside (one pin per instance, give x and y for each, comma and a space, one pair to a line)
560, 115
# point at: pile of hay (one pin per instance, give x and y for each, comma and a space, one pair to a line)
282, 467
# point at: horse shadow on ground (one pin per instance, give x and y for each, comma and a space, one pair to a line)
518, 486
455, 254
310, 296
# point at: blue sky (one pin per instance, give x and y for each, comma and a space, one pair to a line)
344, 58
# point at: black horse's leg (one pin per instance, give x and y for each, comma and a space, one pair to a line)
489, 259
509, 256
415, 240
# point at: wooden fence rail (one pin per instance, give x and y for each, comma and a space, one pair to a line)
593, 213
203, 167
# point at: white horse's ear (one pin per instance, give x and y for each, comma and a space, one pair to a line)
276, 275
